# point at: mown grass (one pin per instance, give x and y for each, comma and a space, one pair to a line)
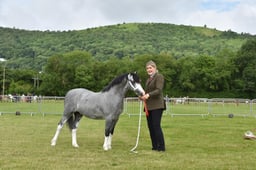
192, 142
43, 107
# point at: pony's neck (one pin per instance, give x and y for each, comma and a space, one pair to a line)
120, 90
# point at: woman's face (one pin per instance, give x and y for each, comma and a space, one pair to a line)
150, 70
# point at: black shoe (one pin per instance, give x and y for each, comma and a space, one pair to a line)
154, 149
160, 150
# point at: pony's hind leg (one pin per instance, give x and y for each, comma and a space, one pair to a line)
59, 127
73, 125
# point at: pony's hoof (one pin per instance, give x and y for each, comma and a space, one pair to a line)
53, 143
75, 145
106, 148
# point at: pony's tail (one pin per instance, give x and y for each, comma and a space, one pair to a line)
71, 121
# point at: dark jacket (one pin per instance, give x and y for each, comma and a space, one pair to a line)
154, 87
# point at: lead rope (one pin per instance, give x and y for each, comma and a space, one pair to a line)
146, 108
138, 134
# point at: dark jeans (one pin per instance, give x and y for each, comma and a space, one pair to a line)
155, 130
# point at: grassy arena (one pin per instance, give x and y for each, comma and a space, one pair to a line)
192, 142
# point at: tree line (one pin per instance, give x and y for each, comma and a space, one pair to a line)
31, 49
227, 74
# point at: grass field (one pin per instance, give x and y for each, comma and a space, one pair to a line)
192, 142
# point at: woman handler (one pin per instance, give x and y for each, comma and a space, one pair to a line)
155, 104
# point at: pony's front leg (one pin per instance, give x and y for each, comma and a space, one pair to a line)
107, 142
109, 131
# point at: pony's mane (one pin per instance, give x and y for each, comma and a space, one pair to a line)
114, 82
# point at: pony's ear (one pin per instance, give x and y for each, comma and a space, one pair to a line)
134, 72
130, 77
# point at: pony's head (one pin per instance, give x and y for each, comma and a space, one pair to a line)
134, 83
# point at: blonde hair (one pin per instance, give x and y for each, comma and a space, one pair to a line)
151, 63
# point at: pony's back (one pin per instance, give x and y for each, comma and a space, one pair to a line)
74, 96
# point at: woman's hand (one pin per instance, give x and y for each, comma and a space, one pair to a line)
144, 97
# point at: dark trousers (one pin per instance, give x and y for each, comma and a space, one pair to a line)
155, 130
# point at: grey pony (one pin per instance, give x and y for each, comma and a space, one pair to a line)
106, 104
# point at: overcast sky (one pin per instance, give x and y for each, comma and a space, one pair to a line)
235, 15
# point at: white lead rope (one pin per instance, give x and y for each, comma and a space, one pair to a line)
138, 135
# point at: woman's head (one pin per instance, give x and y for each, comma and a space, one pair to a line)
151, 63
151, 67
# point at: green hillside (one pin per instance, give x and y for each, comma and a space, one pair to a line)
31, 49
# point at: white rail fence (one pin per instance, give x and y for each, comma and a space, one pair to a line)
174, 106
200, 107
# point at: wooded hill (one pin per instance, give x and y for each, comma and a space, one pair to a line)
31, 49
196, 61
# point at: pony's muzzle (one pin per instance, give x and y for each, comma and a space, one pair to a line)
139, 90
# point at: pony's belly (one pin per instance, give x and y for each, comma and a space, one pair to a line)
95, 116
92, 114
